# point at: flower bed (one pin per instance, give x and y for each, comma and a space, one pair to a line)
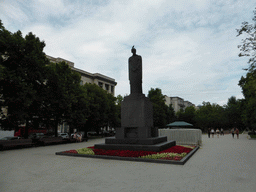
173, 154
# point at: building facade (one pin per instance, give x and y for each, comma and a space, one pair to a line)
103, 81
177, 103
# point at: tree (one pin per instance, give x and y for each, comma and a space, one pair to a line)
62, 93
248, 83
210, 115
98, 107
170, 114
233, 112
160, 109
22, 65
188, 115
248, 47
79, 111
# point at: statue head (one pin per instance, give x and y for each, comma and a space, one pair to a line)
133, 50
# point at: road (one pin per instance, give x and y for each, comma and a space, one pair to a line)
221, 164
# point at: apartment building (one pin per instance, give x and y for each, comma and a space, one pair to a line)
177, 103
103, 81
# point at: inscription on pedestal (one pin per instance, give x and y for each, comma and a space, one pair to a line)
131, 132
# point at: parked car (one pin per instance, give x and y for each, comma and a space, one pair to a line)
63, 135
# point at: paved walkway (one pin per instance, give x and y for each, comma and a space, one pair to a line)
222, 164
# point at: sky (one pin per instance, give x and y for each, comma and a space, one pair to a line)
188, 47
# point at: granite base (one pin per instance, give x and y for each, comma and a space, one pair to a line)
137, 147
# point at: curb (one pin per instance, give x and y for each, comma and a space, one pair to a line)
181, 162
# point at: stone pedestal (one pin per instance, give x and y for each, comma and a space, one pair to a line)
136, 117
137, 131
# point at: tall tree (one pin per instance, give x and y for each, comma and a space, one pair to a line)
210, 115
61, 93
233, 112
79, 111
170, 114
98, 107
188, 115
119, 100
248, 83
22, 75
160, 109
248, 46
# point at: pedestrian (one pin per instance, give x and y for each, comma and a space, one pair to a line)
217, 132
233, 132
209, 132
212, 131
75, 136
237, 133
79, 138
221, 132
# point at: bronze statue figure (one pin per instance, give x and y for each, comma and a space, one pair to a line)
135, 72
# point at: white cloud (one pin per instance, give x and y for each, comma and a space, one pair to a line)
189, 49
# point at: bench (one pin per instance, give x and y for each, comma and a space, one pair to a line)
51, 140
18, 143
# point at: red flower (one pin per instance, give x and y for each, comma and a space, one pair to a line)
71, 151
129, 153
177, 149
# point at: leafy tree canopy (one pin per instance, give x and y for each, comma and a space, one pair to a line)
248, 47
22, 65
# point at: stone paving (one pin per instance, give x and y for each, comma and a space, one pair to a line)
221, 164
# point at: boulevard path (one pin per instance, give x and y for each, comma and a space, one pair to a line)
221, 164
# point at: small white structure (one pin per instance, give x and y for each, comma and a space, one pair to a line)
183, 136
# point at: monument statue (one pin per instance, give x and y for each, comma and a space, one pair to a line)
137, 131
135, 72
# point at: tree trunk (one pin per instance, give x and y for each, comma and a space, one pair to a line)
26, 129
56, 127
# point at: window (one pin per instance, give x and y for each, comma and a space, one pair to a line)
100, 84
107, 87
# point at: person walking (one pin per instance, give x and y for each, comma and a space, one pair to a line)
212, 132
237, 133
209, 132
218, 132
233, 132
221, 132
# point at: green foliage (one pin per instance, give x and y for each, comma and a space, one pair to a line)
85, 151
113, 113
163, 155
188, 115
233, 112
103, 111
64, 97
210, 115
31, 86
22, 65
162, 113
248, 46
119, 99
248, 83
